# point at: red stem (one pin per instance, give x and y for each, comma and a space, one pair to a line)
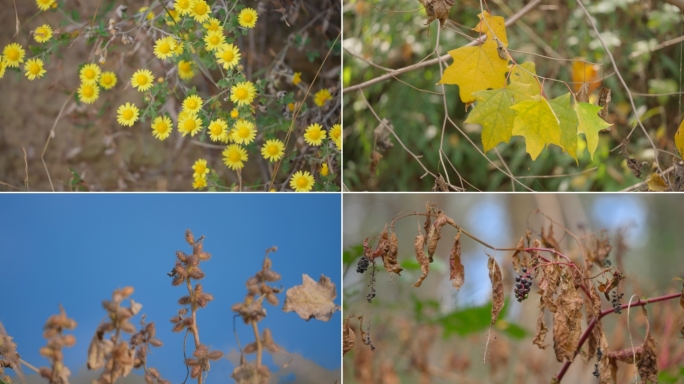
592, 324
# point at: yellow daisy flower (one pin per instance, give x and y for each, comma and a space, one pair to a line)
322, 97
183, 6
107, 80
88, 93
42, 33
150, 15
13, 55
273, 150
3, 66
186, 70
44, 5
243, 132
234, 157
297, 78
213, 40
34, 69
179, 48
302, 181
200, 11
172, 17
165, 47
90, 73
127, 114
234, 113
243, 93
247, 18
192, 104
213, 25
162, 127
324, 169
291, 107
218, 130
200, 168
189, 124
314, 134
228, 55
336, 135
199, 183
142, 80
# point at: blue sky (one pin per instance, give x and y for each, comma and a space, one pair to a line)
75, 250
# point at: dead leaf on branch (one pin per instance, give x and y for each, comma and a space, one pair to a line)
456, 269
312, 299
567, 321
657, 184
496, 278
548, 240
437, 9
517, 253
540, 334
348, 337
435, 232
418, 245
390, 258
648, 364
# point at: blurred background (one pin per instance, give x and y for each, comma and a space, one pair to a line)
75, 251
643, 36
435, 333
91, 151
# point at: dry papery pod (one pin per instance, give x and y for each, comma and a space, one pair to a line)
437, 9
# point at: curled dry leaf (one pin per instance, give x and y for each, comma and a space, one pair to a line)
424, 262
312, 299
540, 335
567, 322
497, 288
437, 9
456, 269
435, 233
648, 364
517, 253
548, 240
348, 337
390, 258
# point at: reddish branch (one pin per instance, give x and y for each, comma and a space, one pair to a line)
591, 325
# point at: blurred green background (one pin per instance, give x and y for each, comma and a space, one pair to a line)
557, 29
442, 331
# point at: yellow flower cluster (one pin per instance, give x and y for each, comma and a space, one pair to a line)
200, 173
13, 55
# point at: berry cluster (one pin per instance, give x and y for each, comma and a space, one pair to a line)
362, 265
616, 302
599, 354
522, 285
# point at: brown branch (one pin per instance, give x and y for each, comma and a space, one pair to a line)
592, 324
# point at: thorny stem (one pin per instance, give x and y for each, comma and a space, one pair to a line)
592, 324
255, 327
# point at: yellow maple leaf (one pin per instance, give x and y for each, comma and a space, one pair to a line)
476, 69
590, 123
492, 26
679, 139
657, 184
526, 73
538, 124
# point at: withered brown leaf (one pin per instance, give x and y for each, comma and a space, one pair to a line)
602, 101
312, 299
517, 253
437, 9
567, 321
97, 351
540, 335
434, 234
548, 240
424, 262
456, 269
348, 338
497, 288
648, 364
390, 258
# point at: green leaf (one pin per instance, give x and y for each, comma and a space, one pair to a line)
467, 321
537, 123
494, 114
590, 124
568, 123
521, 74
410, 265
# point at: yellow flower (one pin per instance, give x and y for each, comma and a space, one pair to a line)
234, 113
199, 183
234, 156
218, 130
228, 55
3, 66
213, 40
213, 25
179, 48
107, 80
324, 169
314, 134
297, 78
291, 106
150, 15
247, 18
336, 135
128, 114
186, 70
302, 181
189, 124
34, 69
142, 80
90, 73
183, 6
13, 54
42, 33
243, 93
172, 17
192, 104
165, 47
322, 97
44, 5
243, 132
200, 168
273, 150
161, 127
200, 11
88, 93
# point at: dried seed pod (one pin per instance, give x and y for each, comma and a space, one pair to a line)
437, 9
424, 262
456, 269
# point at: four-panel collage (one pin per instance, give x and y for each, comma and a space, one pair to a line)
178, 206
